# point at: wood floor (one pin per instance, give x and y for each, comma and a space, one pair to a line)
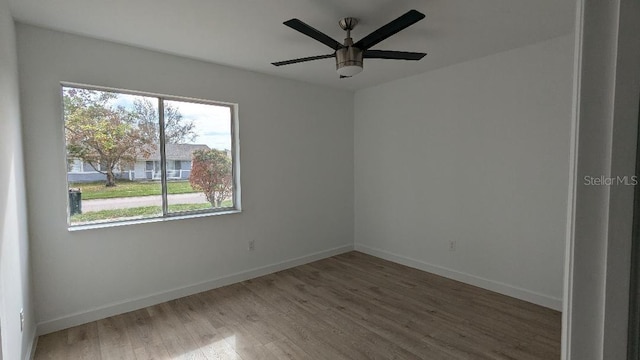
351, 306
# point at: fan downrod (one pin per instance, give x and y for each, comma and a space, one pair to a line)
348, 58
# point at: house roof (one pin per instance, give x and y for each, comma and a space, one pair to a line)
177, 151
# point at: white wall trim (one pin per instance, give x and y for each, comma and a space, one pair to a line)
31, 351
120, 307
496, 286
573, 180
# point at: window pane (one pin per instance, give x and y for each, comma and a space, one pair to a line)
198, 152
113, 137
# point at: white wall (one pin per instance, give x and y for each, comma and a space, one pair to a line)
476, 153
15, 289
598, 262
297, 182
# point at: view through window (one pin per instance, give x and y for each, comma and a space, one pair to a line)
133, 156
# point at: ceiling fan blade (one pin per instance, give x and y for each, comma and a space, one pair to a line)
399, 24
298, 25
309, 58
390, 54
342, 76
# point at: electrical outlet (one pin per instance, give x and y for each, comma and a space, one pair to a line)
452, 245
252, 245
21, 319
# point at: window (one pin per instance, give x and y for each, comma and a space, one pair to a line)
135, 156
75, 165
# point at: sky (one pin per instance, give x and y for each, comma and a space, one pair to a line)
213, 123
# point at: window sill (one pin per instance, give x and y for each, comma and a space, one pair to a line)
150, 220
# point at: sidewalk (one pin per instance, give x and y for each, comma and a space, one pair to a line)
138, 201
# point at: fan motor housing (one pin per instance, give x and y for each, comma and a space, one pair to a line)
348, 56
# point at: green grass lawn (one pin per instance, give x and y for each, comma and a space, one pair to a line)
139, 212
125, 188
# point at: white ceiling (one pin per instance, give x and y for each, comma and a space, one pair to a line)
249, 34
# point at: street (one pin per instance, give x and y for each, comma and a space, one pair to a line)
138, 201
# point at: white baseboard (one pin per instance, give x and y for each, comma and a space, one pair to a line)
496, 286
121, 307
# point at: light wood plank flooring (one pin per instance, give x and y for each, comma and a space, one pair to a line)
350, 306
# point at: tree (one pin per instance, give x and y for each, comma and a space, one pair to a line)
177, 130
211, 173
101, 133
107, 136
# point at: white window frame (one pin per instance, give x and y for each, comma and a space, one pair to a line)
166, 215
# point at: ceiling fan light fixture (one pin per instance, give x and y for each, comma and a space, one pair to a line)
348, 61
349, 55
349, 70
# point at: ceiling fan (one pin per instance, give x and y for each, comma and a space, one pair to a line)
349, 55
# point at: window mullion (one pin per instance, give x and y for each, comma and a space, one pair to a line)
163, 159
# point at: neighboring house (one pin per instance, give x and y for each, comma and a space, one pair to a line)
79, 171
178, 162
178, 166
